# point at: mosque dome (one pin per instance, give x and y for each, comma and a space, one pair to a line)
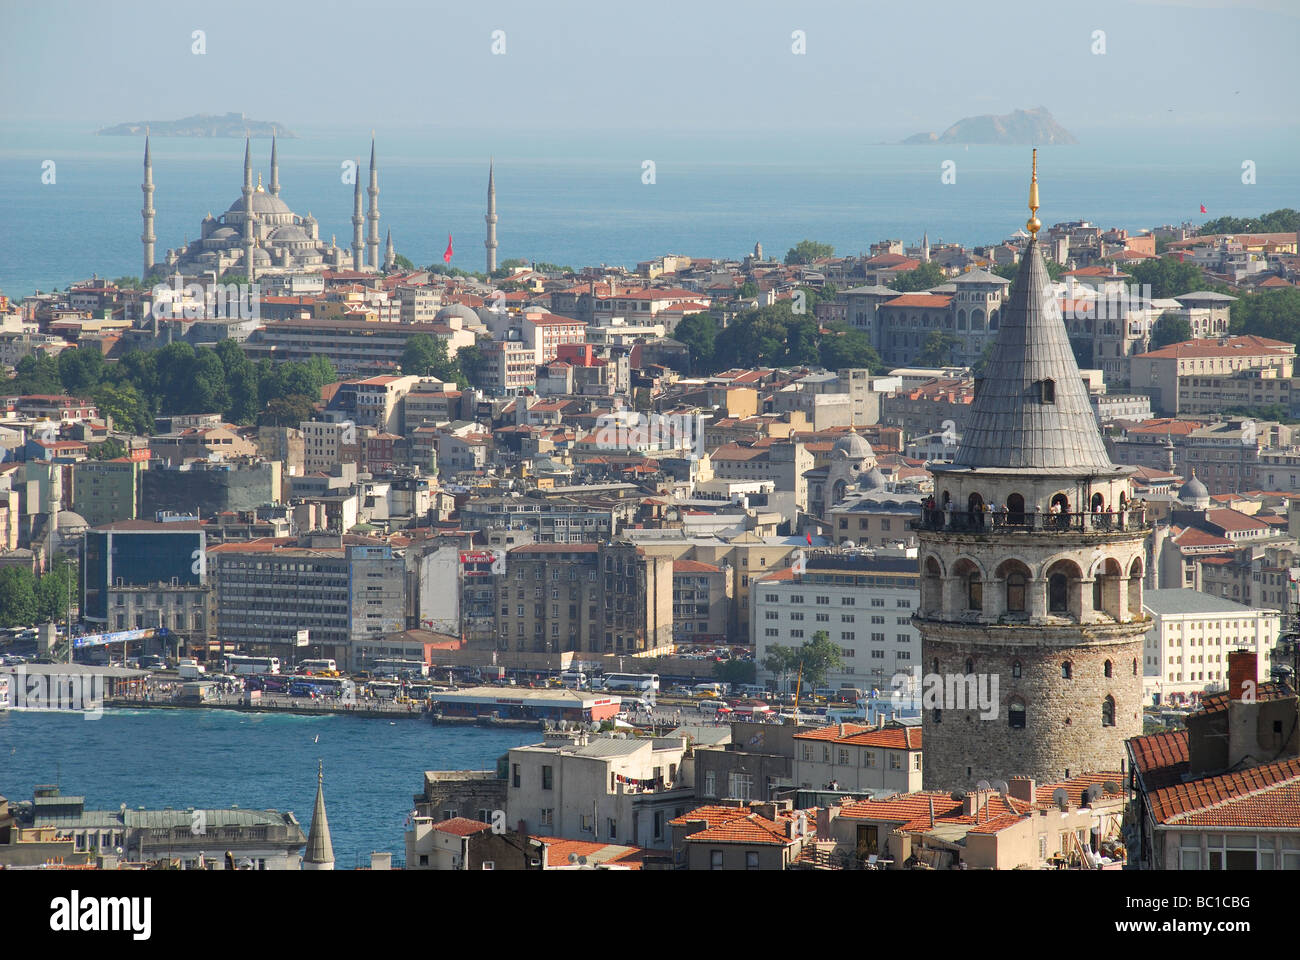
289, 233
1194, 491
873, 479
851, 446
223, 233
263, 203
457, 310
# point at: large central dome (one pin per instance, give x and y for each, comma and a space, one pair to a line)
262, 203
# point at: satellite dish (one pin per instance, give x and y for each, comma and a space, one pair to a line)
594, 727
983, 785
573, 858
1060, 798
959, 795
1000, 786
582, 861
1112, 787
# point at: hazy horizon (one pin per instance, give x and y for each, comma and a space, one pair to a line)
673, 68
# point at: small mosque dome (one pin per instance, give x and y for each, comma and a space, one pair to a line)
851, 446
457, 310
873, 479
1193, 490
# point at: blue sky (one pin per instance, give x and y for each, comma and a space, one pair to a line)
666, 66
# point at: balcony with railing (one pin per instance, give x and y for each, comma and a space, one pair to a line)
1135, 520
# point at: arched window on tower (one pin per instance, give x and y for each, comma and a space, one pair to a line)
974, 592
1015, 592
1108, 712
1047, 391
934, 666
1016, 669
1058, 593
970, 666
1015, 509
1016, 714
1108, 669
1067, 670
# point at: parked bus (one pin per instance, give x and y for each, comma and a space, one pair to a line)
631, 681
338, 687
247, 666
383, 691
400, 668
327, 666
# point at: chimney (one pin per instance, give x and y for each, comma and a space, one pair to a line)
842, 731
1243, 667
932, 811
1021, 788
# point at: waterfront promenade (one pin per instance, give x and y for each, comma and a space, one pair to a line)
276, 703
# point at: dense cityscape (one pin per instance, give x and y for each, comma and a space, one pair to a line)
927, 556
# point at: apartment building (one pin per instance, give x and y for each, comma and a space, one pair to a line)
1209, 376
599, 597
341, 590
1185, 653
600, 788
862, 600
857, 758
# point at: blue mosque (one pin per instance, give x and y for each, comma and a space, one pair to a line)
259, 234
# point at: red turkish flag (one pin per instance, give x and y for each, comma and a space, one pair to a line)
809, 536
1203, 210
446, 257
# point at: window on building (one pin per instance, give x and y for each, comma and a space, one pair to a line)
715, 859
751, 860
1108, 712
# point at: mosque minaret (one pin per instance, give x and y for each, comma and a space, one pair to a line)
491, 219
147, 213
372, 215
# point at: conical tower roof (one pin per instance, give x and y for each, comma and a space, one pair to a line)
1031, 410
320, 851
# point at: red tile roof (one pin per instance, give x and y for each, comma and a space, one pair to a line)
894, 738
1267, 795
462, 826
1160, 758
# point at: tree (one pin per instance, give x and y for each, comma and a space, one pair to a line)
748, 290
1167, 277
814, 659
53, 591
35, 373
801, 343
472, 365
18, 606
699, 331
110, 449
818, 656
848, 347
1275, 314
1285, 220
806, 251
938, 349
735, 671
287, 411
924, 277
1170, 328
80, 370
403, 263
125, 406
426, 356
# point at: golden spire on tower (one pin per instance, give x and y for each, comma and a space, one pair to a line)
259, 183
1033, 224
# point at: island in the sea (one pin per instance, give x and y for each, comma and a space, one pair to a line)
1019, 127
200, 125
